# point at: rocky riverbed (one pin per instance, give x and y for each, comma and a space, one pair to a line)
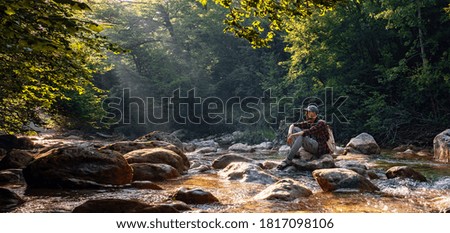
159, 173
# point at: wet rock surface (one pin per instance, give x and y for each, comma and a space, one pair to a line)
285, 190
331, 180
441, 145
125, 147
247, 172
355, 166
153, 172
194, 196
145, 185
157, 155
250, 187
16, 159
325, 161
122, 206
224, 160
363, 143
404, 172
77, 167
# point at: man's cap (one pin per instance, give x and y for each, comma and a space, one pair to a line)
312, 108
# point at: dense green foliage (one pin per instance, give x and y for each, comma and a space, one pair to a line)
48, 49
390, 58
179, 45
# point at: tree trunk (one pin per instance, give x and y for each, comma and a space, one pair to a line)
421, 40
166, 20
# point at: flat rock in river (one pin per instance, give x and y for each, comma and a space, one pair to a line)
226, 159
340, 178
404, 172
285, 190
247, 172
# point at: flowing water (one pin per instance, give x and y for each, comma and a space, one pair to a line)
396, 195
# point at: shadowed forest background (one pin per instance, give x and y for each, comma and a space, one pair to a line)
60, 59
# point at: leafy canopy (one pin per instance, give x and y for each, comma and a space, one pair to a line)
258, 20
49, 48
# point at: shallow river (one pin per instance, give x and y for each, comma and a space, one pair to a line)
396, 195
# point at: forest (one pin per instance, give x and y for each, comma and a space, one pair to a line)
209, 67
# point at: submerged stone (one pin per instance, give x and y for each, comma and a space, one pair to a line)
122, 206
334, 179
404, 172
194, 196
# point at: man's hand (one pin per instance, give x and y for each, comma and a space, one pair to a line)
290, 138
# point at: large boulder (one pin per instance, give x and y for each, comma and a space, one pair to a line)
78, 167
9, 200
122, 206
194, 196
127, 146
363, 143
404, 172
285, 190
157, 155
16, 159
153, 172
341, 179
441, 144
225, 160
247, 172
161, 136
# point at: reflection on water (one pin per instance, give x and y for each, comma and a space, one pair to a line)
396, 195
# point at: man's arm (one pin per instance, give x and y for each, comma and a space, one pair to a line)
315, 130
302, 125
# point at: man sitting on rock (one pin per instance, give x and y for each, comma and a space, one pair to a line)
311, 134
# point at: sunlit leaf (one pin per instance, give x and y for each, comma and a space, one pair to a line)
96, 27
9, 11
